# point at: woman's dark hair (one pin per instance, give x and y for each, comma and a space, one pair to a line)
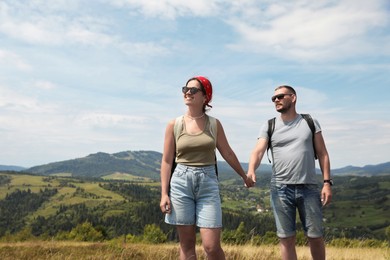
201, 85
203, 91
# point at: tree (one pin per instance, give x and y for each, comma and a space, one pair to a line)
301, 239
270, 238
153, 234
236, 237
387, 232
85, 232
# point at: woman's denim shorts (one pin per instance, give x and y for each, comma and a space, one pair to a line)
195, 197
286, 199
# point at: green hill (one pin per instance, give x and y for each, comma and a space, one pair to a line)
368, 170
143, 164
49, 205
146, 164
138, 163
120, 194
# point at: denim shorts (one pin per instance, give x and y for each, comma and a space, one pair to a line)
195, 197
286, 199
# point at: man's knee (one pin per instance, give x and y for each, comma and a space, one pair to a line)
316, 240
287, 241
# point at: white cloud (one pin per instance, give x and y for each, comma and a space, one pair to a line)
170, 9
78, 34
46, 85
312, 30
111, 120
15, 101
9, 58
142, 49
310, 99
34, 24
86, 76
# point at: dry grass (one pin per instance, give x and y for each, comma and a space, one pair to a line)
272, 252
116, 250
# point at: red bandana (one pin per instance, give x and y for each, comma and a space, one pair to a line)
206, 84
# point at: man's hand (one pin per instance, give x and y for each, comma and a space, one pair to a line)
249, 182
326, 194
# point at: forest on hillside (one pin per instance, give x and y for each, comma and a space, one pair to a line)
51, 207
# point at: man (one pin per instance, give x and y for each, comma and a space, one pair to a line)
293, 182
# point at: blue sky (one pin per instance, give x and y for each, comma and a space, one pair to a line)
80, 77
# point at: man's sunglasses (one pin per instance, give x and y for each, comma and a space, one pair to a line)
280, 96
193, 90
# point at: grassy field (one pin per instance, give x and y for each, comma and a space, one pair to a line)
118, 250
126, 177
92, 194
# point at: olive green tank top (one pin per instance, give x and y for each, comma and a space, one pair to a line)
196, 149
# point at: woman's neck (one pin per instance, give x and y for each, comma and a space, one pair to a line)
194, 114
194, 117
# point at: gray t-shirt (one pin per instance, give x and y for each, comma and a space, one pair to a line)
292, 151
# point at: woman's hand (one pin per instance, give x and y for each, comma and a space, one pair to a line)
165, 205
249, 182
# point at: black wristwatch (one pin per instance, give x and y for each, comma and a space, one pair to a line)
330, 181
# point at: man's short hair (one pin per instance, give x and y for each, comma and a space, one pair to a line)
287, 87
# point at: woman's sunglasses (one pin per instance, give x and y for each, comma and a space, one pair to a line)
193, 90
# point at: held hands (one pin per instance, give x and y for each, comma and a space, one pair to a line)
249, 182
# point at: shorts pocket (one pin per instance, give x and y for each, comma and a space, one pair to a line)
209, 172
179, 172
278, 187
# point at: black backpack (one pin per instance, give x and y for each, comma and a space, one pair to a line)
271, 128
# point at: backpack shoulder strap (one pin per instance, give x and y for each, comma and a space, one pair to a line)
271, 128
310, 122
214, 131
176, 132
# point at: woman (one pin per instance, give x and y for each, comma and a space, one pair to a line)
191, 197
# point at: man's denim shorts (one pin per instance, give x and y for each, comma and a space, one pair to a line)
286, 199
195, 197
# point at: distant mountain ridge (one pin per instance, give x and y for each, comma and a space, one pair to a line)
147, 164
368, 170
11, 168
138, 163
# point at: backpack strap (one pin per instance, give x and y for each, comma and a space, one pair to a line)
177, 128
271, 128
214, 131
310, 122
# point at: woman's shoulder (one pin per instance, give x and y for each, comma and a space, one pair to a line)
212, 118
176, 119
